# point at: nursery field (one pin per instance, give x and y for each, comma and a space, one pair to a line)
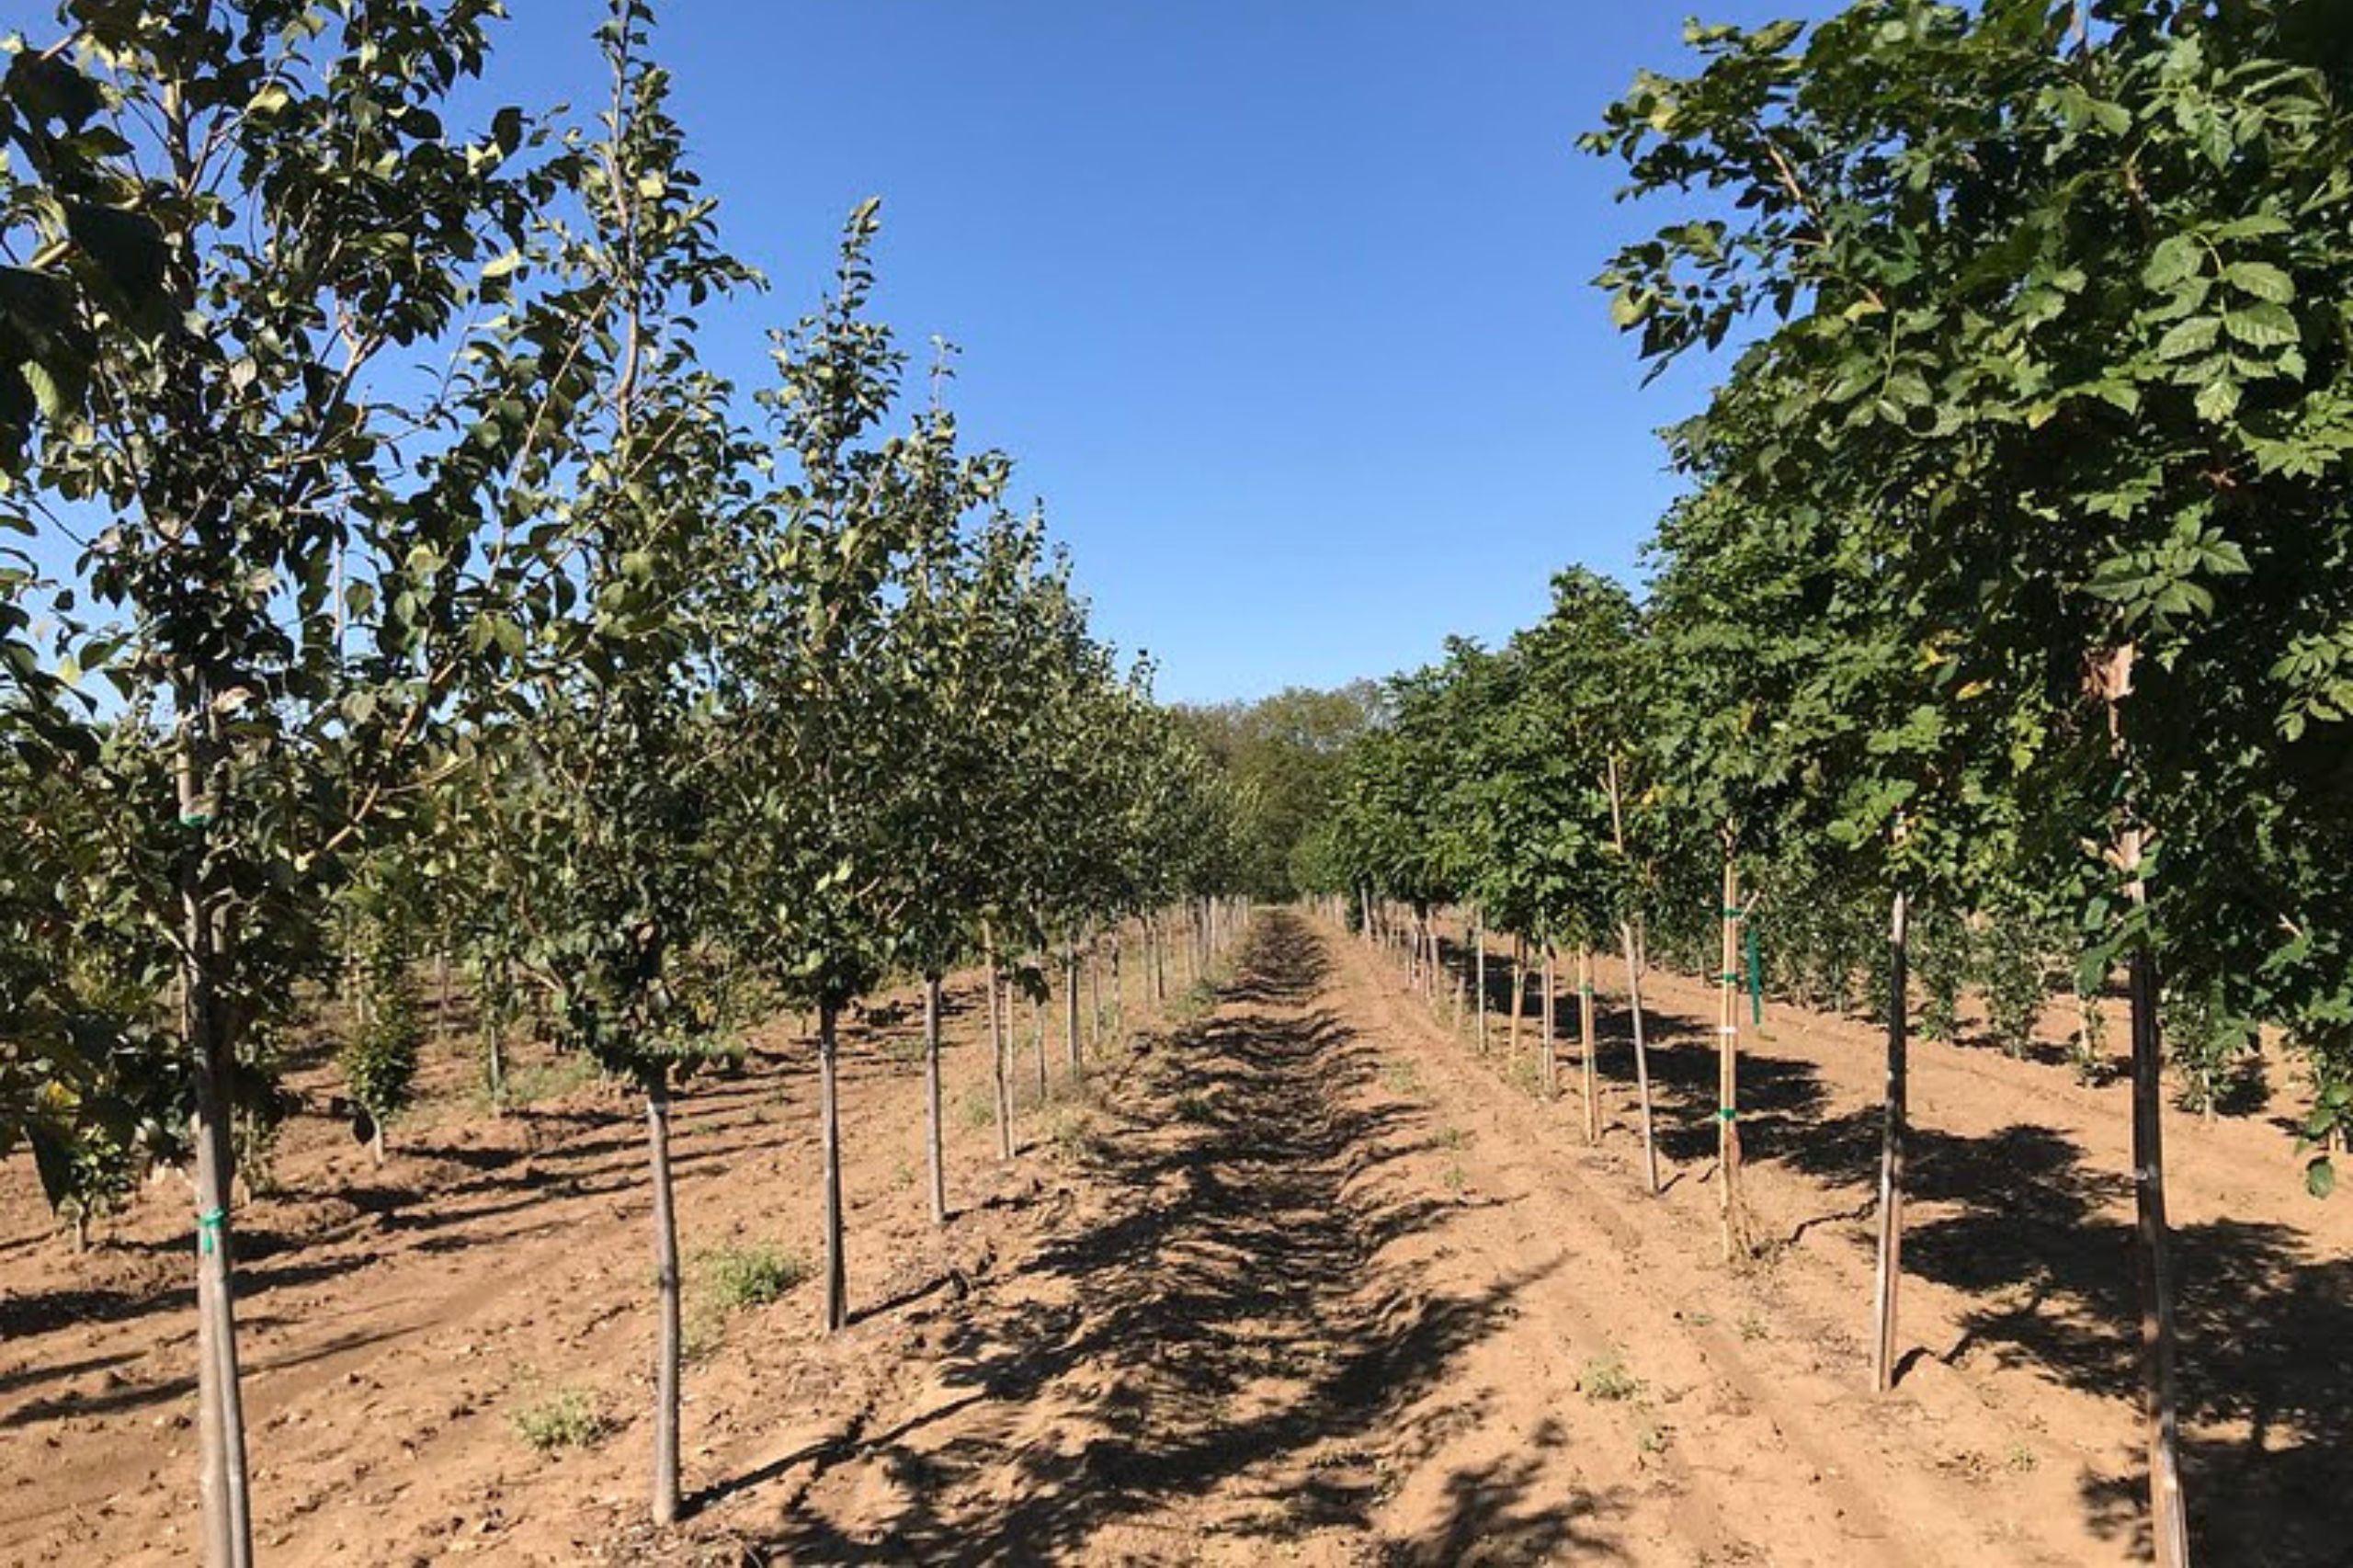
1298, 1278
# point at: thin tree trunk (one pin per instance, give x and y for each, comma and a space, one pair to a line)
1642, 1052
1479, 983
497, 1069
1519, 996
1585, 1043
829, 1110
999, 1058
2168, 1524
1734, 1221
1038, 1035
1095, 987
1634, 989
667, 1339
935, 1140
1891, 1152
1070, 1014
1550, 1057
228, 1527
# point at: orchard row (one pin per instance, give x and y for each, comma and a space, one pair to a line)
399, 580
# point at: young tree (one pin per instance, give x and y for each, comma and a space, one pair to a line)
2055, 278
217, 331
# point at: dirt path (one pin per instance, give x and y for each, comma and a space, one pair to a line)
1302, 1279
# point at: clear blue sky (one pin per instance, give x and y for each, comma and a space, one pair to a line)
1283, 306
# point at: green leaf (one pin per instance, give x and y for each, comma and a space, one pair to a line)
2174, 259
2187, 338
2218, 400
2261, 279
2263, 326
2320, 1178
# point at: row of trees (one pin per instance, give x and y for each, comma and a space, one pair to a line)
2014, 578
396, 573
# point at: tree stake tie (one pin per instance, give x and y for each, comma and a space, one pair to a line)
208, 1230
195, 819
1726, 1113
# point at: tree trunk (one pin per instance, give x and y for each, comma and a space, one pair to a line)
1891, 1152
829, 1110
1735, 1222
935, 1140
1070, 1014
999, 1057
1550, 1060
667, 1339
1585, 1043
497, 1068
1479, 980
1095, 987
1038, 1036
2168, 1525
228, 1516
1642, 1052
1519, 996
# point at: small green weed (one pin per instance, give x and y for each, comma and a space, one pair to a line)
736, 1277
1606, 1379
567, 1418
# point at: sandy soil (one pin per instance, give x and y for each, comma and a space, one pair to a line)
1300, 1279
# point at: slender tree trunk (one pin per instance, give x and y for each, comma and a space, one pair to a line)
1642, 1051
228, 1527
829, 1109
1734, 1222
1550, 1057
1038, 1035
2168, 1524
999, 1057
1630, 930
667, 1339
497, 1068
1518, 995
1891, 1151
1070, 1014
1095, 987
935, 1139
1479, 979
1119, 979
1585, 1043
441, 1016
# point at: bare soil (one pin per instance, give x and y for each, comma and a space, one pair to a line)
1300, 1278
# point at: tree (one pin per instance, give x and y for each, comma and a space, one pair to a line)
2053, 276
212, 328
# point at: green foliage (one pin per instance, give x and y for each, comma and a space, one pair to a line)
735, 1279
566, 1418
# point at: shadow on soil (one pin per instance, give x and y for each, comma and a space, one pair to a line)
2045, 1244
1220, 1332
